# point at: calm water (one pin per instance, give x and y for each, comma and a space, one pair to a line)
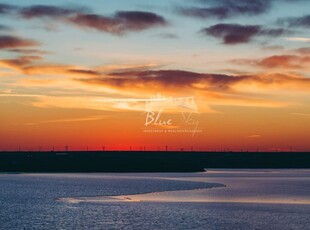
250, 199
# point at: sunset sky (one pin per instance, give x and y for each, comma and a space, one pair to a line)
78, 73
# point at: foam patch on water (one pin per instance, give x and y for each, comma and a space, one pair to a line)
165, 196
196, 195
258, 186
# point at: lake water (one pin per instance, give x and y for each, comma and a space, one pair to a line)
216, 199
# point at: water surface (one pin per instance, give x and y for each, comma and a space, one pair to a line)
251, 199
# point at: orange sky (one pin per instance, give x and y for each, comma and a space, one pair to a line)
80, 75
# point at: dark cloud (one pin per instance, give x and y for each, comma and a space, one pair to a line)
14, 42
232, 34
5, 8
303, 21
222, 9
201, 82
119, 23
40, 11
94, 21
166, 78
139, 17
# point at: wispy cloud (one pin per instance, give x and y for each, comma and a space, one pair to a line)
301, 114
222, 9
167, 35
278, 62
7, 41
79, 119
27, 51
302, 50
21, 62
298, 39
254, 136
302, 21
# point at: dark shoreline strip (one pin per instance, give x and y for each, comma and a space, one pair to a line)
146, 161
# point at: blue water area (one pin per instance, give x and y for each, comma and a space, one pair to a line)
29, 201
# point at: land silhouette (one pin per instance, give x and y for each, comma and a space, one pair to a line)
146, 161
